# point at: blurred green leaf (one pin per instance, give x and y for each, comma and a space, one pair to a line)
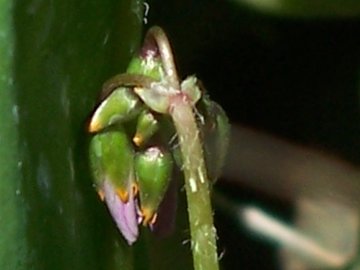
305, 8
55, 56
12, 220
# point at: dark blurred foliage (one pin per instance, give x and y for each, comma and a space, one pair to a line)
295, 78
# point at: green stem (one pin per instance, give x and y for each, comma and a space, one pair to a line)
203, 233
161, 40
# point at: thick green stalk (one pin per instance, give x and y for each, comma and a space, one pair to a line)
203, 233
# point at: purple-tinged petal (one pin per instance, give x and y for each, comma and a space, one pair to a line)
130, 215
124, 214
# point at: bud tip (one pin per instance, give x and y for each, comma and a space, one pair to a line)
137, 140
123, 195
149, 217
94, 126
101, 194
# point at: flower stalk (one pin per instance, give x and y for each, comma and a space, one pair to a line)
203, 233
197, 186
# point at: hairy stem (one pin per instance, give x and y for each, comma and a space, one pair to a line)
167, 58
203, 233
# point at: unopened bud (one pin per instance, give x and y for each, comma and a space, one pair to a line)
146, 126
153, 170
121, 105
112, 159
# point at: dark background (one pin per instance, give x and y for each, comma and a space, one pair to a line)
295, 78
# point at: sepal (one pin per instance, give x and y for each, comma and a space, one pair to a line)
121, 105
112, 158
146, 126
153, 170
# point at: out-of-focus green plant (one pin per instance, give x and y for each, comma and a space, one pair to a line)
13, 247
54, 56
305, 8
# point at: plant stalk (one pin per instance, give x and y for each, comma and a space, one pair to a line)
203, 233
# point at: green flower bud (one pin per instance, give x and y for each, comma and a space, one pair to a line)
153, 170
149, 66
112, 159
146, 126
121, 105
148, 63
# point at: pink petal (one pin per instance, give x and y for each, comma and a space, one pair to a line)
124, 214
